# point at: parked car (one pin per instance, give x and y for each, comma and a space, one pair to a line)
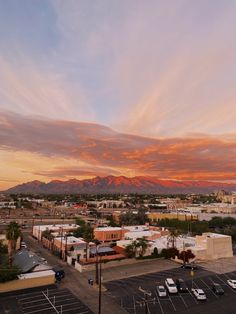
232, 283
59, 273
23, 245
199, 294
181, 285
216, 287
189, 266
161, 291
170, 285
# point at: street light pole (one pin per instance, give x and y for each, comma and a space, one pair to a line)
100, 287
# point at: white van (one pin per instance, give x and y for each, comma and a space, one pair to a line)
170, 285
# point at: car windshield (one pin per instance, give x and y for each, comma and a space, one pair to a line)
161, 289
201, 293
171, 285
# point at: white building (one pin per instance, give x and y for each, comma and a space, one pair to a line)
61, 228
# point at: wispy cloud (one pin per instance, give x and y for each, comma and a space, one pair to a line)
101, 150
27, 89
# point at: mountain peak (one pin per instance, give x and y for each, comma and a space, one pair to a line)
120, 184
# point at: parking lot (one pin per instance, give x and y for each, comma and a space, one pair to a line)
127, 293
46, 301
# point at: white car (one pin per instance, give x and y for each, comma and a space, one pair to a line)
231, 283
161, 291
199, 294
171, 286
23, 245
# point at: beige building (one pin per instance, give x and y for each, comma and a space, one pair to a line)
61, 228
176, 215
210, 246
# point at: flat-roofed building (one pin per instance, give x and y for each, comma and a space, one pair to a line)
172, 215
65, 244
61, 228
213, 246
109, 234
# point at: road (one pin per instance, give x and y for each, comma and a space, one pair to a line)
76, 282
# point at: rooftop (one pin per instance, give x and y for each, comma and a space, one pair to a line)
37, 274
71, 240
56, 227
108, 229
215, 235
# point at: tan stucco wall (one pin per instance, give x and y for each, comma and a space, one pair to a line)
213, 247
183, 217
26, 283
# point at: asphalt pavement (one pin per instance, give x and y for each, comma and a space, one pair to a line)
75, 281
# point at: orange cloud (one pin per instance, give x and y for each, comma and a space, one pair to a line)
63, 149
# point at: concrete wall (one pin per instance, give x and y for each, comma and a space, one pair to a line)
26, 283
84, 268
183, 217
213, 247
109, 235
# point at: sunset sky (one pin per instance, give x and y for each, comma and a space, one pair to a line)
122, 87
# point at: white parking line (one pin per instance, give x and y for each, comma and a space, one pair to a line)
86, 311
25, 308
40, 310
162, 311
227, 283
33, 301
196, 301
209, 288
68, 305
172, 303
134, 305
183, 300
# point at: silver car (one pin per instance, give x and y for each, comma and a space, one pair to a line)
161, 291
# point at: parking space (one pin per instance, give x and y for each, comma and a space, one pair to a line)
128, 295
47, 301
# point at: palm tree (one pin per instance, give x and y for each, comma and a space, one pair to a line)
172, 237
12, 234
88, 236
130, 250
143, 245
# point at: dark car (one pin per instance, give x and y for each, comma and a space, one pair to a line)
181, 285
59, 273
216, 287
189, 266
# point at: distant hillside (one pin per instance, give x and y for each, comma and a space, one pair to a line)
120, 184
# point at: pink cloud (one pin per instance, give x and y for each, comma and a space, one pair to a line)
108, 152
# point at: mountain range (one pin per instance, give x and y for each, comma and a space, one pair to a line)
121, 184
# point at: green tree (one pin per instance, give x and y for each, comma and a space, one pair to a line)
3, 248
130, 250
185, 256
47, 234
142, 243
172, 237
8, 272
12, 234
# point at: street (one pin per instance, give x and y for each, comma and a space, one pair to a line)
76, 282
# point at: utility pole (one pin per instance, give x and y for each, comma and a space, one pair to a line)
100, 287
61, 242
184, 252
146, 294
65, 252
